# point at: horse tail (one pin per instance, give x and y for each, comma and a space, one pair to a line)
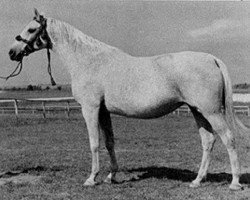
233, 121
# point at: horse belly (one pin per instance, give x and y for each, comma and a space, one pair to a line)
144, 107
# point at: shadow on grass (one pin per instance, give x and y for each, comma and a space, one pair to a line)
183, 175
31, 170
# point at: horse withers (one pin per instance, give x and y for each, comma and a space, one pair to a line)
106, 80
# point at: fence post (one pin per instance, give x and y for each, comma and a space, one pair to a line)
44, 110
68, 109
16, 107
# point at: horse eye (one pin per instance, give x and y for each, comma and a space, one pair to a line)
31, 30
18, 38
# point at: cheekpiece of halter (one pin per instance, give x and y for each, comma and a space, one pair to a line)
30, 43
30, 47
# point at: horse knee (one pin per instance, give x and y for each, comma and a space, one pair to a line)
94, 148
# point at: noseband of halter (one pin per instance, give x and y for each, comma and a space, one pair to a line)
29, 48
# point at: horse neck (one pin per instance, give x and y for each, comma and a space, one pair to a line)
77, 50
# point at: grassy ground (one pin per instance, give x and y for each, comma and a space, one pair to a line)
158, 159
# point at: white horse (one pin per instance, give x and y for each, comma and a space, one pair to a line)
106, 80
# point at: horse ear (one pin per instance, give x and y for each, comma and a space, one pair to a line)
38, 17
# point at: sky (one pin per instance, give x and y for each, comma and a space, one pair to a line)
139, 28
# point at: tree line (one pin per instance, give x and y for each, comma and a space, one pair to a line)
31, 88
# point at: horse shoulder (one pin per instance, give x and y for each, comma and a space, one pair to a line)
87, 91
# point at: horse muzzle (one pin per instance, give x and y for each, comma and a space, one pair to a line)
16, 56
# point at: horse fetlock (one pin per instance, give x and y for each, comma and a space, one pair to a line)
195, 184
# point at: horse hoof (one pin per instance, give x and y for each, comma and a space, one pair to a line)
110, 181
194, 185
236, 187
90, 183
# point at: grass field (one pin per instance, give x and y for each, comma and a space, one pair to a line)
157, 158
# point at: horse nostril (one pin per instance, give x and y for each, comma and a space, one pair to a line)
11, 52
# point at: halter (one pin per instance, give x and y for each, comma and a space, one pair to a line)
29, 48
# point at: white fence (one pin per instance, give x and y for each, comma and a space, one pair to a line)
42, 106
67, 105
243, 110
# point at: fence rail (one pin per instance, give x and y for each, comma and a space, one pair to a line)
46, 106
42, 106
243, 110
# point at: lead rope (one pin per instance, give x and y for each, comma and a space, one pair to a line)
13, 74
49, 69
20, 66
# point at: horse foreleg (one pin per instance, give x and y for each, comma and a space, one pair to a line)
91, 118
106, 127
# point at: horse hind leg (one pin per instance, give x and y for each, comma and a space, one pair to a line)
220, 126
106, 128
208, 140
208, 126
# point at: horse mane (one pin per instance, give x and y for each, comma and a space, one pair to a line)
65, 32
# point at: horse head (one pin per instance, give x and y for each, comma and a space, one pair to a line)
34, 37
